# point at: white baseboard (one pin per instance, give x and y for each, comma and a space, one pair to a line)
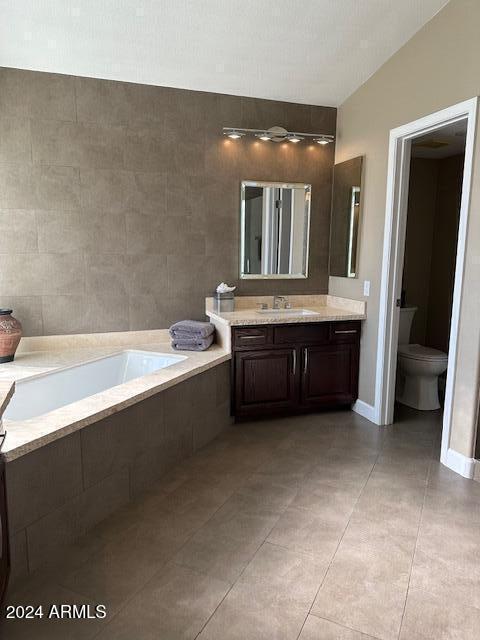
459, 463
476, 470
365, 410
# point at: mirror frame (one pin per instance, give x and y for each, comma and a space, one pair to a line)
351, 275
283, 185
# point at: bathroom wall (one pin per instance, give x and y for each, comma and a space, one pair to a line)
444, 252
418, 242
119, 203
430, 249
436, 68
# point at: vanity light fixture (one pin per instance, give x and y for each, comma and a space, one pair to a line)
277, 134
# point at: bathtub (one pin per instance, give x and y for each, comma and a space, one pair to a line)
48, 391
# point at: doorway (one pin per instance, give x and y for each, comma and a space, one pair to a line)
400, 154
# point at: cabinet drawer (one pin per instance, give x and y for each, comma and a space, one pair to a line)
348, 331
300, 333
251, 337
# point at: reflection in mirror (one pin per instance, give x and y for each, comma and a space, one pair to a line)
275, 221
345, 220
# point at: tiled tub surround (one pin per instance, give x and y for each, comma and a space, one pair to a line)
27, 435
106, 186
327, 309
68, 470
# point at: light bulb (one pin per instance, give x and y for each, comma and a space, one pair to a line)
234, 134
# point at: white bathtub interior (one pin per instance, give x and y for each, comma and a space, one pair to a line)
46, 392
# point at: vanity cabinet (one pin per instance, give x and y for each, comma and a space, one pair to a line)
294, 367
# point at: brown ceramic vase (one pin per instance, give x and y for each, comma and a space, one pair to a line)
10, 334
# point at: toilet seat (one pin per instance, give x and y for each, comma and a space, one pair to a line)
419, 352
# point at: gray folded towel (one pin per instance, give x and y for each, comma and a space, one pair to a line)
191, 328
192, 344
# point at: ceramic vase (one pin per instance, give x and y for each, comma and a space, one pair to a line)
10, 334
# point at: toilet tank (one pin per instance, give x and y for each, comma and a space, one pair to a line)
406, 319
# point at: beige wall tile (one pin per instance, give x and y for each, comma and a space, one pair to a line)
77, 145
152, 212
43, 480
31, 274
147, 149
108, 311
18, 231
23, 186
89, 232
15, 145
106, 273
31, 94
111, 102
65, 314
147, 312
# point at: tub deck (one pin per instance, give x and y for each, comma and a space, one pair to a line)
38, 355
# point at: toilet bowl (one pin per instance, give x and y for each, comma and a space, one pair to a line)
418, 368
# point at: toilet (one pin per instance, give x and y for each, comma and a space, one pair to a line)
418, 368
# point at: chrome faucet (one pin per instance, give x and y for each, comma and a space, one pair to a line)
280, 300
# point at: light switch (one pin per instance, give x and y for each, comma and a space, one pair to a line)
366, 288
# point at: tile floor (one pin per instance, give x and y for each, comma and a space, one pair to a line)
319, 527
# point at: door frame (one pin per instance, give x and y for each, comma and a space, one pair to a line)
393, 256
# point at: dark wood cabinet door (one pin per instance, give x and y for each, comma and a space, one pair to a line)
4, 551
329, 375
265, 381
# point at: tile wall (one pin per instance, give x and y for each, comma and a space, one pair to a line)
119, 203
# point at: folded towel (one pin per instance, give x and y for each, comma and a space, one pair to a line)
192, 344
191, 328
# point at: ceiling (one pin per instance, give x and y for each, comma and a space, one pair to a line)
308, 51
442, 143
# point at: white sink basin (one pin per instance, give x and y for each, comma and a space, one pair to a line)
287, 312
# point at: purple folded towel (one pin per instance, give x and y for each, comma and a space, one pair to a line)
192, 344
191, 329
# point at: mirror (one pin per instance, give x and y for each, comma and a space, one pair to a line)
345, 218
275, 224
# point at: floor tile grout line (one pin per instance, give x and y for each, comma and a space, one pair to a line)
229, 590
163, 565
427, 479
344, 626
338, 545
240, 575
171, 560
242, 572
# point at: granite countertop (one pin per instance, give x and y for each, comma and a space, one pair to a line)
7, 387
326, 309
27, 435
